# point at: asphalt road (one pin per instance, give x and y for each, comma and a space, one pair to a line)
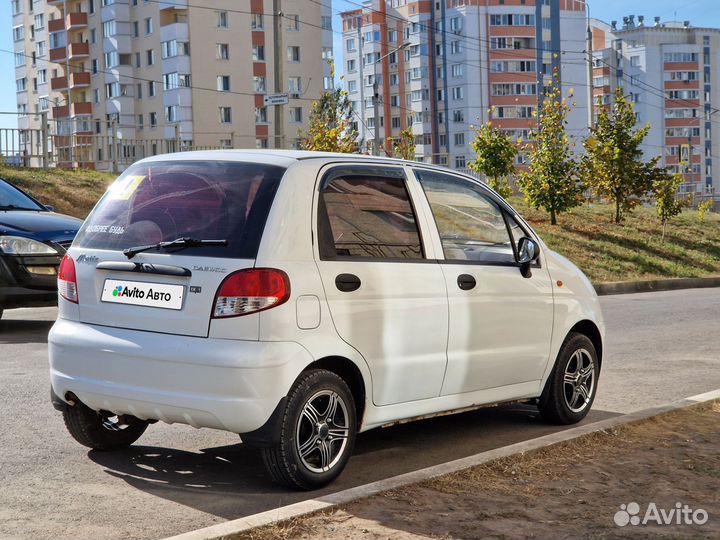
660, 347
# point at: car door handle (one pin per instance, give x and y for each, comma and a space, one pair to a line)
466, 282
347, 282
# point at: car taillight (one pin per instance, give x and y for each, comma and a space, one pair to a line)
250, 291
67, 282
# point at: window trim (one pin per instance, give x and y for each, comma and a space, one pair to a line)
322, 222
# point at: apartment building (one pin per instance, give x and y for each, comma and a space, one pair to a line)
441, 67
144, 72
670, 71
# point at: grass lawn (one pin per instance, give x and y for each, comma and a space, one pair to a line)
603, 250
632, 250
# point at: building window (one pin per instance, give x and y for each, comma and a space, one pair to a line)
256, 21
260, 115
138, 91
259, 84
350, 45
148, 26
352, 86
459, 162
150, 57
42, 76
171, 114
455, 47
140, 121
635, 61
258, 53
459, 139
457, 93
295, 85
225, 115
261, 143
39, 21
326, 22
18, 33
136, 29
293, 22
109, 28
151, 88
293, 53
223, 51
296, 114
153, 119
222, 19
223, 83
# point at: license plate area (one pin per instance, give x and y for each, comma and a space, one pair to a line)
141, 293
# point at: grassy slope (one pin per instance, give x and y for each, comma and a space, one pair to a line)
70, 192
605, 251
632, 250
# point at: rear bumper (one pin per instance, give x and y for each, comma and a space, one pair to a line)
223, 384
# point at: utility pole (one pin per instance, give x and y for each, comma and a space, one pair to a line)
591, 101
113, 127
376, 97
279, 64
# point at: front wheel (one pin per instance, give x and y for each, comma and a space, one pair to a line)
572, 385
102, 430
317, 432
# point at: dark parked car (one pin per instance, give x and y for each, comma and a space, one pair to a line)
33, 240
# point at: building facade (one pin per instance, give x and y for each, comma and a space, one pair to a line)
441, 67
670, 71
153, 76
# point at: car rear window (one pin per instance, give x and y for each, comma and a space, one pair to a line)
161, 201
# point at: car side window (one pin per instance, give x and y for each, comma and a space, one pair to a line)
367, 216
471, 225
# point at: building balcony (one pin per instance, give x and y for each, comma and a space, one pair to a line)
77, 80
81, 107
60, 112
76, 20
79, 50
58, 54
56, 25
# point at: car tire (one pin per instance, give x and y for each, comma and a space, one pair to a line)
100, 430
570, 390
318, 430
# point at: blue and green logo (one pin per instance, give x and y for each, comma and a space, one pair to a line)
118, 290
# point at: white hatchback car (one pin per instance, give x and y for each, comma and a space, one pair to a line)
298, 298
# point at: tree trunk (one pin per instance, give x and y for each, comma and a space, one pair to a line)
617, 209
553, 218
664, 223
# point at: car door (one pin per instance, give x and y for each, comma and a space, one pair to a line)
500, 321
385, 292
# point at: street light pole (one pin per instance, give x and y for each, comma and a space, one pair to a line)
376, 98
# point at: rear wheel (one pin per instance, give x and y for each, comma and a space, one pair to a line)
570, 390
317, 432
102, 430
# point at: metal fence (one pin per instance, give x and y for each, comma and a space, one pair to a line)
42, 149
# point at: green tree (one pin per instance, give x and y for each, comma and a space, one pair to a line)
329, 125
703, 208
552, 181
613, 166
403, 147
665, 187
496, 154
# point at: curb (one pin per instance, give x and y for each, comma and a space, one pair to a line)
304, 508
650, 285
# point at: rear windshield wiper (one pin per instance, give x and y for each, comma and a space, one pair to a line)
178, 243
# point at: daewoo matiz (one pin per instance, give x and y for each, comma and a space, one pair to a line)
298, 298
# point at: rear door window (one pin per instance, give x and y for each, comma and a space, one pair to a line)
367, 215
162, 201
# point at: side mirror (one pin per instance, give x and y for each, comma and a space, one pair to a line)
49, 207
528, 253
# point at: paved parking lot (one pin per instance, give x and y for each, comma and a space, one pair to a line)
661, 346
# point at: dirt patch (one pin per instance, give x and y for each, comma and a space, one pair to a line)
570, 490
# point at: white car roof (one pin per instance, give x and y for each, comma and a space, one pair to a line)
270, 156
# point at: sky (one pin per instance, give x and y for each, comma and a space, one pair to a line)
698, 12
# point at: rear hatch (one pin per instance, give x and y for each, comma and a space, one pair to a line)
170, 289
